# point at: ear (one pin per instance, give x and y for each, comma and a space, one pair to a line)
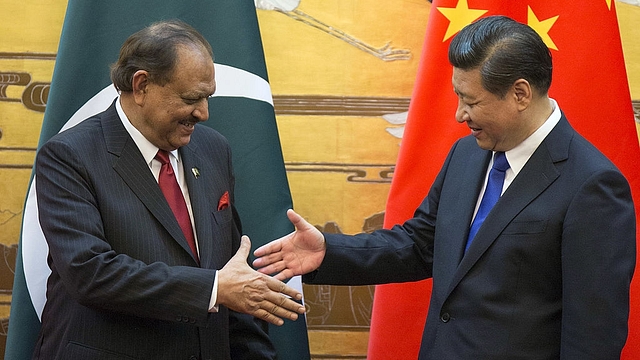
523, 93
139, 84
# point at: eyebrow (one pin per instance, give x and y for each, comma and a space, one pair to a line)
460, 93
195, 95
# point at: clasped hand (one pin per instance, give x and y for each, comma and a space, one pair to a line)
242, 289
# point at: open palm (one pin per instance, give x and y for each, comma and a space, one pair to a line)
297, 253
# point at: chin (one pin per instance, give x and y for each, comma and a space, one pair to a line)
483, 145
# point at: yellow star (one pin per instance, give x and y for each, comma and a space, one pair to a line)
608, 4
459, 17
542, 27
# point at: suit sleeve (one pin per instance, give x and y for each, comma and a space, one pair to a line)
400, 254
598, 259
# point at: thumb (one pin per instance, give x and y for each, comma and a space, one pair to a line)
295, 218
298, 221
244, 249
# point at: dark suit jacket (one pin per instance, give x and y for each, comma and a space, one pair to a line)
124, 284
546, 277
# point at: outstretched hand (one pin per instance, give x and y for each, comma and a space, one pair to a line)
297, 253
242, 289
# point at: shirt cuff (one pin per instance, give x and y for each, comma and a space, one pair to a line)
213, 307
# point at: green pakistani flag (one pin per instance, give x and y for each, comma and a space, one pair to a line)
242, 110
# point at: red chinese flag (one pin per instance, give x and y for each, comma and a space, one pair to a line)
590, 85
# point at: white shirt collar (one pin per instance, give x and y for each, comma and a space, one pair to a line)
147, 149
519, 155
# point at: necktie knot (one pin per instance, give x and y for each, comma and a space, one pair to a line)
162, 156
500, 162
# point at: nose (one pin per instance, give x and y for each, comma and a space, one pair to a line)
461, 113
201, 111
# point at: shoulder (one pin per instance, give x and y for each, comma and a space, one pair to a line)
565, 143
85, 131
206, 137
587, 156
84, 138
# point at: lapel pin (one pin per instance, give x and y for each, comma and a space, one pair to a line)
195, 172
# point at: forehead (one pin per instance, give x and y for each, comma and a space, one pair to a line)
194, 70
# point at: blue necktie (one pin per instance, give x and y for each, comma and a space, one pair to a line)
491, 193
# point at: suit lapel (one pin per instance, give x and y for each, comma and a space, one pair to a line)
474, 173
134, 171
201, 192
199, 207
461, 200
538, 174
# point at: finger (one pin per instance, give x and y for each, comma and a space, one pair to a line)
284, 275
282, 288
272, 262
245, 248
269, 248
298, 221
295, 218
287, 309
270, 318
282, 313
267, 270
275, 314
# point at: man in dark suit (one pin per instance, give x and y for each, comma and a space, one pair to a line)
125, 282
547, 274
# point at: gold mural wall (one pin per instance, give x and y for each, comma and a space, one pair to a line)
348, 63
29, 34
341, 72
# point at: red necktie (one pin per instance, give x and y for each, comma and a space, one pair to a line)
171, 190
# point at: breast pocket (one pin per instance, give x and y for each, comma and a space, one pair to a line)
525, 227
223, 216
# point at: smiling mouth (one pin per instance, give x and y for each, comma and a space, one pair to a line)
475, 131
187, 124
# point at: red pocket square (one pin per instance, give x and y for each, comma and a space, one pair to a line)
224, 201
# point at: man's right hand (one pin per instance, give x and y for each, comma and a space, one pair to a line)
242, 289
297, 253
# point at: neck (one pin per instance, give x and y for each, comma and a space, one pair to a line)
539, 112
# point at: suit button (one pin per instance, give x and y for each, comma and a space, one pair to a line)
445, 317
193, 357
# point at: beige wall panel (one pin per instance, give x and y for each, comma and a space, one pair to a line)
302, 59
31, 25
629, 22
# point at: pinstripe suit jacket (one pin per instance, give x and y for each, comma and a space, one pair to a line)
547, 275
124, 284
